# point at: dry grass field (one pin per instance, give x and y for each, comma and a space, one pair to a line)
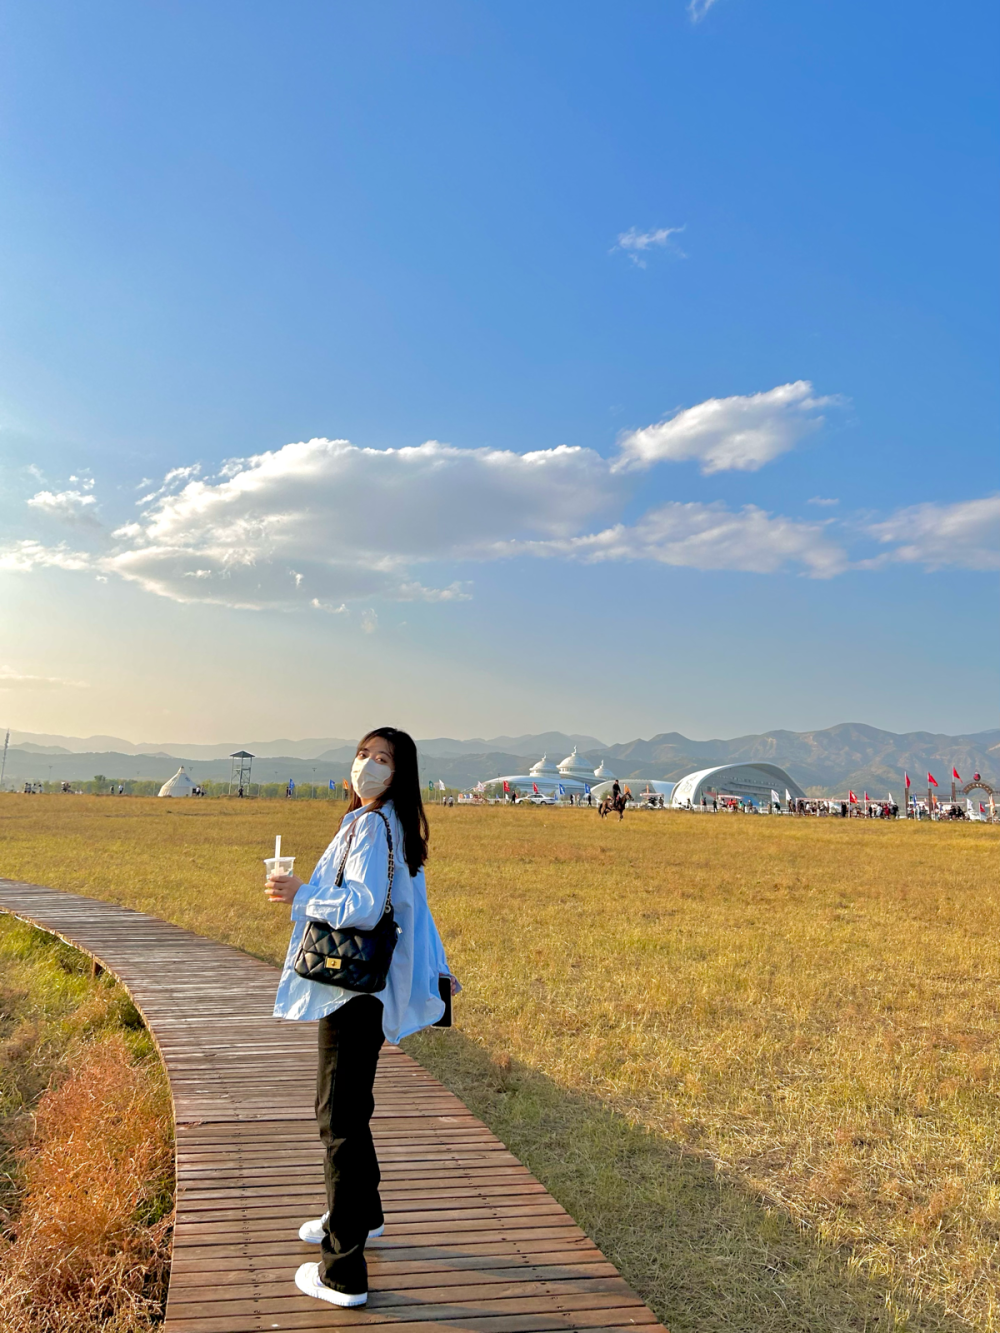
756, 1058
86, 1147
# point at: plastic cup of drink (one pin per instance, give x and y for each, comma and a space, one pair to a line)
278, 865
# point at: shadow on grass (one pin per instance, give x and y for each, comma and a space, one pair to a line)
705, 1254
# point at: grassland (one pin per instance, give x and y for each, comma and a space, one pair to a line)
756, 1058
86, 1147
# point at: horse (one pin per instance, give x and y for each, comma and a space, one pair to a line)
613, 803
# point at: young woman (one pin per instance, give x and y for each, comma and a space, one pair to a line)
352, 1026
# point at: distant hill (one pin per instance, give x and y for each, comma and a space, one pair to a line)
43, 744
823, 762
557, 743
848, 755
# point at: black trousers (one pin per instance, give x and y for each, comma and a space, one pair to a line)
349, 1042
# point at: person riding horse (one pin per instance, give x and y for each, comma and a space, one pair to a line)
616, 801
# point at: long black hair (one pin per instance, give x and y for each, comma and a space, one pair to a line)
404, 793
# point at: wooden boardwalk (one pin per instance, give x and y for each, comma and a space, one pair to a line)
472, 1240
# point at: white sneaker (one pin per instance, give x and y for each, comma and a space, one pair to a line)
312, 1232
307, 1281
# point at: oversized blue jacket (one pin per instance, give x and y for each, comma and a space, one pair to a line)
411, 999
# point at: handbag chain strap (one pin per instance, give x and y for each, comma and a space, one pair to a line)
392, 863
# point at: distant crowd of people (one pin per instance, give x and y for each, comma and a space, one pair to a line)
846, 810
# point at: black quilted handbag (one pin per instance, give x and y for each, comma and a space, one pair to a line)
356, 959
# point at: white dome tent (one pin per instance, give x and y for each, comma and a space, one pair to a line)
179, 785
743, 782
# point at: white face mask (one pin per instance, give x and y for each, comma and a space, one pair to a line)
370, 779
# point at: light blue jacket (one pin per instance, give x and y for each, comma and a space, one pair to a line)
411, 999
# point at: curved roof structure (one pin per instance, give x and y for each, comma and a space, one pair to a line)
753, 782
179, 785
545, 768
604, 774
575, 767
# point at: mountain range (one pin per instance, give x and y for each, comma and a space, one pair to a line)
314, 748
823, 762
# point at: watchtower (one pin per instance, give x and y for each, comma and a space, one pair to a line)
239, 782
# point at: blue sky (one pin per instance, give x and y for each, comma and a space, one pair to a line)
699, 307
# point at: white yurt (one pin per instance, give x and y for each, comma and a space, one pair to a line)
179, 785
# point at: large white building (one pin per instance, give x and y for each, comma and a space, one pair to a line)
573, 776
746, 782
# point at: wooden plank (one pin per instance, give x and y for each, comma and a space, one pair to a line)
417, 1275
429, 1320
432, 1265
517, 1297
473, 1241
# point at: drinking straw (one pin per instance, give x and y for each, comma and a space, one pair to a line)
277, 847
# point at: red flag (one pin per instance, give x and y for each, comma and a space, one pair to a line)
906, 776
506, 786
534, 788
955, 775
866, 798
982, 808
931, 780
852, 798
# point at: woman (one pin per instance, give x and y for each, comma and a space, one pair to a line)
352, 1026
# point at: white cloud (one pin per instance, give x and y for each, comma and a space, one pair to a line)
710, 536
68, 506
369, 621
322, 524
173, 479
822, 500
698, 9
636, 243
741, 433
965, 534
25, 555
416, 592
15, 680
324, 519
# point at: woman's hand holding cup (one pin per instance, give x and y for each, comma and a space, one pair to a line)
282, 885
282, 888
